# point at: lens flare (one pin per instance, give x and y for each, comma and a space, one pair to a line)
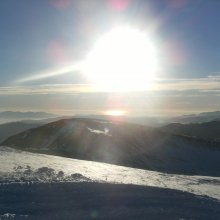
118, 5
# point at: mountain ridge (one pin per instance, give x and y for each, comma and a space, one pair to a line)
122, 144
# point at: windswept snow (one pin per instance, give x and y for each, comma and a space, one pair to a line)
21, 166
105, 132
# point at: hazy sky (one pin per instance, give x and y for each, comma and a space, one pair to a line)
38, 37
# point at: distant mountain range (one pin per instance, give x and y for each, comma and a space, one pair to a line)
184, 119
31, 117
124, 144
11, 116
197, 118
162, 121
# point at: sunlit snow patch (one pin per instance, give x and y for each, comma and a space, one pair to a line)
53, 168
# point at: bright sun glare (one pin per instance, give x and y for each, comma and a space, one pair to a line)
115, 112
121, 60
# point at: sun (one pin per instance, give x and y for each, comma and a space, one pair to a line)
123, 59
115, 112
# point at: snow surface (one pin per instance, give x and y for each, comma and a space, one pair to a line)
36, 186
21, 166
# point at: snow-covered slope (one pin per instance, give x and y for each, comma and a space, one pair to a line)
122, 144
21, 166
36, 186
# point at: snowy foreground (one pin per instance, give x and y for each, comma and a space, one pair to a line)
37, 186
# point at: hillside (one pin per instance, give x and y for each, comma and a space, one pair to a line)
208, 131
121, 143
21, 167
9, 129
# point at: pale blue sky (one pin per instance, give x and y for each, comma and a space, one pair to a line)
39, 35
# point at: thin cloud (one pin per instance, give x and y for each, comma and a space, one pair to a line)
209, 84
202, 84
46, 89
